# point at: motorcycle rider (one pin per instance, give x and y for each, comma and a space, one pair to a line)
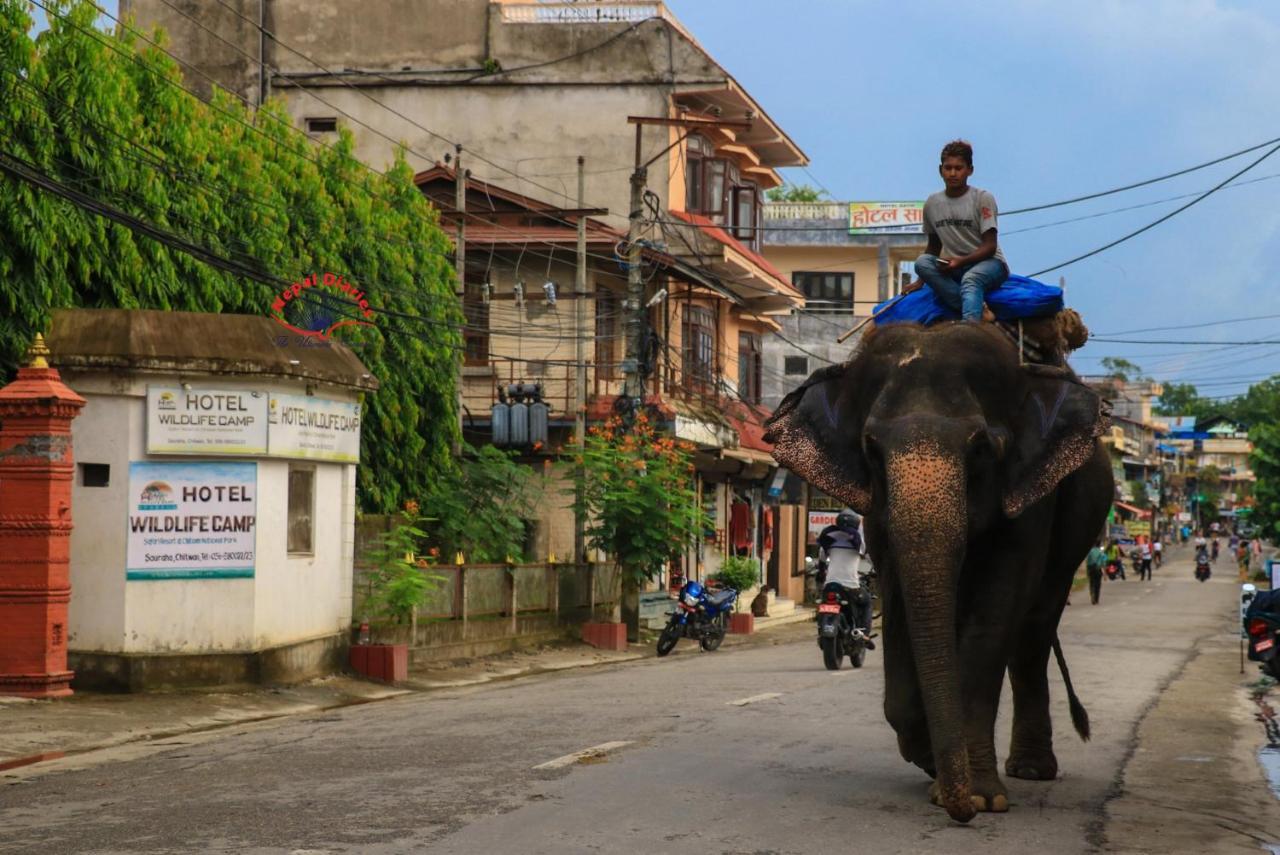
840, 547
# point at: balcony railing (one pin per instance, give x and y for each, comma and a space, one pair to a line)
806, 211
620, 11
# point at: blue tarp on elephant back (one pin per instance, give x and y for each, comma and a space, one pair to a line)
1018, 297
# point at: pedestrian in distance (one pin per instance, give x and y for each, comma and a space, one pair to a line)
962, 260
1144, 568
1157, 549
1093, 564
1243, 554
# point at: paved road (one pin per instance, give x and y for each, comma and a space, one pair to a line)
753, 750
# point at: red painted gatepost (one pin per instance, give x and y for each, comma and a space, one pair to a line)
36, 469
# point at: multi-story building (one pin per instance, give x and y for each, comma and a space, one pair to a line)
526, 88
845, 258
1219, 443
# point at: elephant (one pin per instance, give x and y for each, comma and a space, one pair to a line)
983, 483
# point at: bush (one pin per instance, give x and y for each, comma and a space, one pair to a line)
738, 572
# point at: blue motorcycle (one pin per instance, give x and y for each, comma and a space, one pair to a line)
699, 614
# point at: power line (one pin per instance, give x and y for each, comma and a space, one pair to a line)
1167, 216
1194, 326
1134, 186
1213, 343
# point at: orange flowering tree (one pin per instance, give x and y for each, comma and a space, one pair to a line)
635, 491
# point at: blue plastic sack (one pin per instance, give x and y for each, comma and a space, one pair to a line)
1018, 297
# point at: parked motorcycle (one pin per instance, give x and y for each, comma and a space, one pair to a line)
844, 623
1262, 624
700, 614
1113, 569
1202, 567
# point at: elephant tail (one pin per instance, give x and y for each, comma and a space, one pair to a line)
1079, 715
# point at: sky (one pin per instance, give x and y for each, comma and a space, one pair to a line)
1059, 100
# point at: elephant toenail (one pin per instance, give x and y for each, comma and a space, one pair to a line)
999, 804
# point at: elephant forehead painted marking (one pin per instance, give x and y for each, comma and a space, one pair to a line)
926, 491
1048, 417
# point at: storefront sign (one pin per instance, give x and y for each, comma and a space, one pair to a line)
206, 421
818, 520
1136, 528
192, 520
313, 428
870, 218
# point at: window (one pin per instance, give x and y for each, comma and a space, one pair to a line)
699, 349
301, 521
749, 367
606, 334
475, 313
95, 475
825, 292
746, 205
794, 366
322, 125
705, 178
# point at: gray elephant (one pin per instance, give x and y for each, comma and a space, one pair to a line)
983, 483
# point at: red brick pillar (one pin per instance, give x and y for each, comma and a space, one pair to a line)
36, 469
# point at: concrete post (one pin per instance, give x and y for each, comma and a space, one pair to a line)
36, 468
512, 604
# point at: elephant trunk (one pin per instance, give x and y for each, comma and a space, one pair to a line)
928, 523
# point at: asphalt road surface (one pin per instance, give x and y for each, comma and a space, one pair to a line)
756, 749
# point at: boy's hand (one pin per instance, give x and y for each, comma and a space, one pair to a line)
946, 263
912, 287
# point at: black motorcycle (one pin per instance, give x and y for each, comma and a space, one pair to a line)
1262, 625
1202, 567
844, 623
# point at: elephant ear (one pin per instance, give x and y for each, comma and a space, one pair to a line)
1057, 430
814, 437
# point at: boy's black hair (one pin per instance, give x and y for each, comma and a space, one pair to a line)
958, 148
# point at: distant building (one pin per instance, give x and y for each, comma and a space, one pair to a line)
845, 258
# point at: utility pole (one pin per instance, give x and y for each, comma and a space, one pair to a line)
633, 306
633, 384
580, 355
460, 260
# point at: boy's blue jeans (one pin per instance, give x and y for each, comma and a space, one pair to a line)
965, 289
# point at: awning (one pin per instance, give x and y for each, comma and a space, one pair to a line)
740, 269
1133, 509
749, 455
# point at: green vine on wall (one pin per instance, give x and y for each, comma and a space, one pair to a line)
104, 113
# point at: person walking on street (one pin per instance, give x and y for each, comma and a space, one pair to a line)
1157, 549
1243, 554
1093, 564
1144, 571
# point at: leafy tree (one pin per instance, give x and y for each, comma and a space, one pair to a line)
1265, 462
1182, 399
796, 193
635, 490
483, 509
1121, 370
1138, 489
397, 581
103, 113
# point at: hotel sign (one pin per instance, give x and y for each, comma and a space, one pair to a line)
876, 218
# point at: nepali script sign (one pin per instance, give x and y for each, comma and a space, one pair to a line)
206, 421
192, 520
313, 428
874, 218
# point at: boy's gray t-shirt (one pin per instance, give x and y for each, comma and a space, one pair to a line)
960, 222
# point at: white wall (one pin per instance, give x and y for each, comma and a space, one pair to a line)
290, 598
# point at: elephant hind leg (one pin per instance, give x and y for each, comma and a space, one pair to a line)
1031, 754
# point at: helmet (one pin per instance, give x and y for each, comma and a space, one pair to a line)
847, 519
